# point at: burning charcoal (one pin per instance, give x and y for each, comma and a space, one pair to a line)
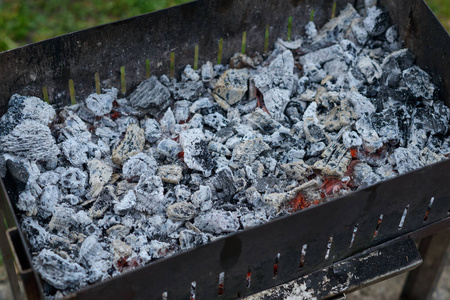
361, 104
377, 21
231, 87
351, 139
36, 235
363, 175
170, 173
169, 148
217, 222
126, 204
74, 180
215, 120
181, 211
151, 96
386, 125
190, 239
99, 175
152, 131
419, 82
159, 249
132, 144
32, 140
62, 220
386, 172
104, 200
91, 251
370, 69
196, 154
371, 141
428, 157
48, 200
406, 160
202, 198
275, 200
336, 159
190, 73
296, 170
253, 219
59, 272
100, 104
247, 151
149, 194
339, 117
310, 30
137, 165
262, 121
21, 108
207, 72
118, 231
335, 29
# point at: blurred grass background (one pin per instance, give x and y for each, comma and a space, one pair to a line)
24, 22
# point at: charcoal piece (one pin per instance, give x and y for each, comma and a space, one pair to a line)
361, 105
440, 118
310, 30
217, 222
370, 69
315, 149
32, 140
196, 121
225, 182
18, 171
48, 200
215, 120
393, 39
334, 30
335, 68
149, 194
315, 133
293, 155
181, 211
335, 160
168, 122
253, 219
196, 154
207, 72
159, 249
386, 171
124, 122
21, 108
59, 272
181, 111
311, 190
36, 235
126, 203
202, 198
321, 56
339, 117
190, 239
3, 168
314, 72
91, 251
296, 170
132, 144
74, 180
49, 177
241, 61
262, 121
100, 104
201, 104
190, 74
351, 139
358, 32
419, 82
27, 203
406, 160
247, 151
169, 148
137, 165
151, 96
253, 197
82, 218
182, 192
275, 200
219, 148
75, 151
118, 231
188, 90
371, 141
231, 87
377, 21
152, 131
170, 173
62, 220
103, 202
386, 125
99, 175
99, 271
428, 157
363, 175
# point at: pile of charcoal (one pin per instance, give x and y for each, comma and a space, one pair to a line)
112, 183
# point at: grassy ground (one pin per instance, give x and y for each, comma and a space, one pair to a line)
23, 22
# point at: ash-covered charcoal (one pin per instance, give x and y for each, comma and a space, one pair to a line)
108, 185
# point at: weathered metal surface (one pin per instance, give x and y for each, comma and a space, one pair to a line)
374, 265
128, 43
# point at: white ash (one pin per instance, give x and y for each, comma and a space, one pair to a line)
111, 184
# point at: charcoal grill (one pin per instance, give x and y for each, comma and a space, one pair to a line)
340, 235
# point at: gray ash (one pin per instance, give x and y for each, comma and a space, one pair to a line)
114, 183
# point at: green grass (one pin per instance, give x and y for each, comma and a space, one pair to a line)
442, 10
